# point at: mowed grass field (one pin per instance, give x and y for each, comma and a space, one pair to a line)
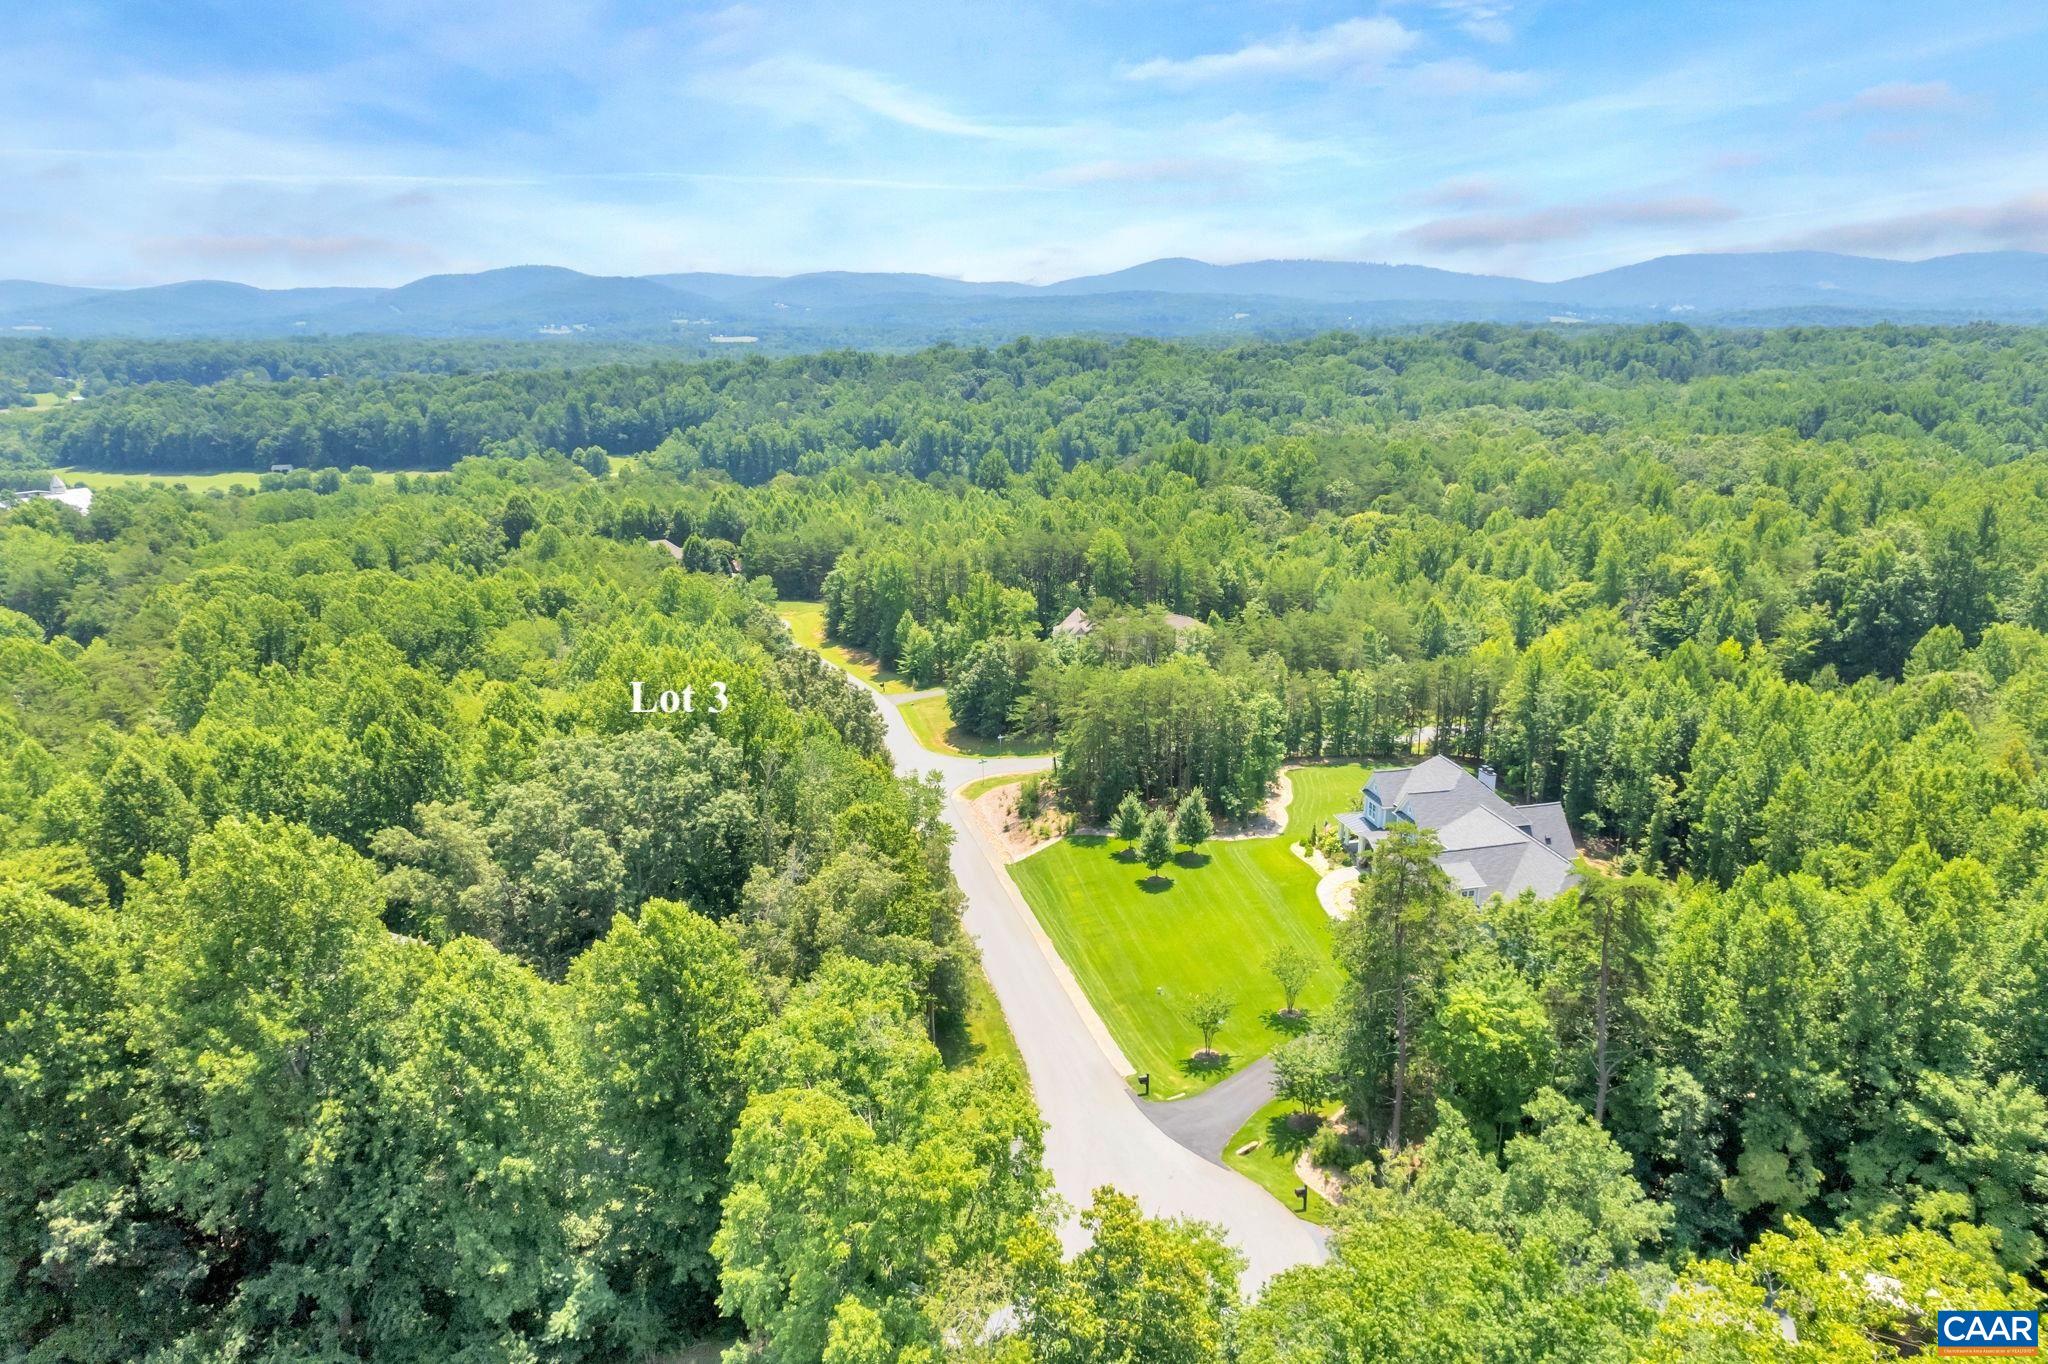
198, 483
933, 725
39, 403
1141, 947
1320, 793
806, 621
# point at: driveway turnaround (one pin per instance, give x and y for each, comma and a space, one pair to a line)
1097, 1132
1205, 1122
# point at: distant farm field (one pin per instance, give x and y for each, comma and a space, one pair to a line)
235, 478
1142, 947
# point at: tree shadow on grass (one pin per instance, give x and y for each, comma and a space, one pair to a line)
1205, 1063
1154, 884
1291, 1133
1191, 860
1127, 856
1087, 840
1293, 1024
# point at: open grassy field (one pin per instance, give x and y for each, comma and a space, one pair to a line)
1321, 792
198, 483
39, 403
1141, 946
933, 725
806, 621
1271, 1167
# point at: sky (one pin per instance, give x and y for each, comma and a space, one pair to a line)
377, 141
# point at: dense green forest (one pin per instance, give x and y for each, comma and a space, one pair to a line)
373, 985
949, 409
29, 366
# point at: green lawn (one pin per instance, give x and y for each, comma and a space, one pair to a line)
806, 621
198, 483
981, 786
985, 1033
1141, 946
933, 725
1321, 792
1271, 1167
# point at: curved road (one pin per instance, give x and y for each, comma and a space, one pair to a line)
1097, 1131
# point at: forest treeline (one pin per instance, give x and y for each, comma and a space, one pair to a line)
954, 410
89, 368
373, 985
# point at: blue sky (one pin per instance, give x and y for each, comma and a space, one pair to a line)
374, 142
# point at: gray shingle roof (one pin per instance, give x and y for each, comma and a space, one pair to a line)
1490, 847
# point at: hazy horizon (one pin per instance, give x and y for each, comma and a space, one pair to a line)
767, 275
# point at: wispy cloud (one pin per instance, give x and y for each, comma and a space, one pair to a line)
1461, 76
1155, 170
1354, 47
1896, 97
245, 249
801, 89
1467, 192
1493, 231
2017, 224
1486, 20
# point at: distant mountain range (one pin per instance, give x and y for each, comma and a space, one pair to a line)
1174, 297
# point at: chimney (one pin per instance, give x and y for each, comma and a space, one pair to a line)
1486, 775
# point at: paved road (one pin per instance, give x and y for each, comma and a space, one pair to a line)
1097, 1132
1206, 1121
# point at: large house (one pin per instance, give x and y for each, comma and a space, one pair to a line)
1077, 623
1489, 846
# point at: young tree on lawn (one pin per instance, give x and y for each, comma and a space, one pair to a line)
1155, 845
1206, 1012
1191, 823
1129, 820
1291, 968
1305, 1071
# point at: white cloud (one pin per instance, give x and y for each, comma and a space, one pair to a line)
1896, 98
1485, 20
1361, 47
800, 89
1457, 76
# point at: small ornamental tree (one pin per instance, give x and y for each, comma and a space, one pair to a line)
1305, 1071
1129, 820
1191, 823
1206, 1012
1155, 845
1291, 968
